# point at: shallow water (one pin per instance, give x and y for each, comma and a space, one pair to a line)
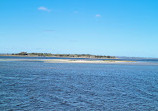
38, 86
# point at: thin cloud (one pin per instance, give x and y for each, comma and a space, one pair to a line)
44, 9
98, 15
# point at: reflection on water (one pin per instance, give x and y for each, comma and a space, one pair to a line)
38, 86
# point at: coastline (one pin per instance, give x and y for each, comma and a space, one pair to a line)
57, 56
81, 61
69, 61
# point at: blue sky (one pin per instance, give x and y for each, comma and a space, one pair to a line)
101, 27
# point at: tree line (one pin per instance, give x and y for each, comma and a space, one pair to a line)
62, 55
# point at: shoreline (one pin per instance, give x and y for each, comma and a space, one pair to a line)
69, 61
57, 57
82, 61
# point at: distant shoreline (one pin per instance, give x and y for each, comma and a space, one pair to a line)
57, 56
69, 61
79, 61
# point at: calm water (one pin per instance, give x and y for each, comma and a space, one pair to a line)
38, 86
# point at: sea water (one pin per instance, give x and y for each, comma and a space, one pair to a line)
38, 86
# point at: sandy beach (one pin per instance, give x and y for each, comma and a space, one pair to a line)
69, 61
84, 61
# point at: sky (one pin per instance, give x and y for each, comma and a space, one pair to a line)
100, 27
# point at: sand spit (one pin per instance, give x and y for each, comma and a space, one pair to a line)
69, 61
83, 61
